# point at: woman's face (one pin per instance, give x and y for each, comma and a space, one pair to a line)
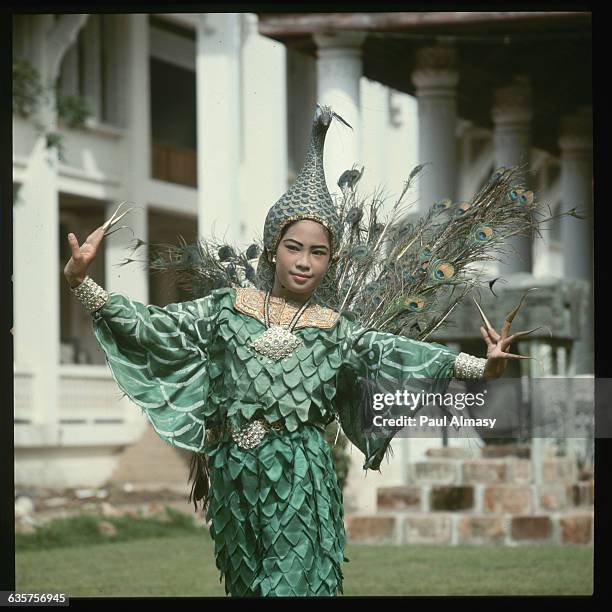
302, 258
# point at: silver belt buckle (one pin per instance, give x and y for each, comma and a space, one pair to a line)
250, 435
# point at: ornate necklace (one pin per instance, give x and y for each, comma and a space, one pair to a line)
277, 342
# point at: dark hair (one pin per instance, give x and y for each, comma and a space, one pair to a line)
284, 231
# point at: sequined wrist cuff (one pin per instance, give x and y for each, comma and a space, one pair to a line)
468, 367
90, 294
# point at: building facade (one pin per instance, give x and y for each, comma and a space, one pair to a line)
201, 121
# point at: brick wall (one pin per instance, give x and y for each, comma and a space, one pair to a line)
452, 498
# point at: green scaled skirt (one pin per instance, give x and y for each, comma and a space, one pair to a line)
276, 515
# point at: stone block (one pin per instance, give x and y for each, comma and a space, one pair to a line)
531, 528
559, 469
442, 472
581, 493
521, 471
507, 498
482, 530
553, 497
450, 452
485, 470
576, 528
496, 451
427, 529
399, 498
451, 498
371, 529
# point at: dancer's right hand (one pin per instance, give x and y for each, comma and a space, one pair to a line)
75, 270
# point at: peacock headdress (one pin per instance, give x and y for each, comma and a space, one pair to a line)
307, 198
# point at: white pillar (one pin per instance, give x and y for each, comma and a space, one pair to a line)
38, 272
512, 140
436, 80
264, 150
374, 135
133, 279
219, 123
92, 73
576, 144
402, 144
339, 70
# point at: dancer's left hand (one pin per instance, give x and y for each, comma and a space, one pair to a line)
499, 344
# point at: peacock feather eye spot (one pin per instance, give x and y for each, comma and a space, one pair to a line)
514, 194
415, 303
360, 252
482, 233
442, 204
461, 208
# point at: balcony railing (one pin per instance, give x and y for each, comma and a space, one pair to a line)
175, 164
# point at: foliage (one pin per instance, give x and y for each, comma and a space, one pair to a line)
28, 90
74, 110
29, 95
82, 530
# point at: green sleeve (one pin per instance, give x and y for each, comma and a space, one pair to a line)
371, 357
159, 358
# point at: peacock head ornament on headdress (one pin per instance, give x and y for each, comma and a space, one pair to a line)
307, 198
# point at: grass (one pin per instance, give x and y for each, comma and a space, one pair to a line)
82, 530
180, 563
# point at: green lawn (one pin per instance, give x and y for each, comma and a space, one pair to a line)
182, 565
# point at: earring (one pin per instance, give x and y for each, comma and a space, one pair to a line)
274, 260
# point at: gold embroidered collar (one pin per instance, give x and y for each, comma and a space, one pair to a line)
250, 301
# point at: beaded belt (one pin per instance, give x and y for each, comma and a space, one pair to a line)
248, 436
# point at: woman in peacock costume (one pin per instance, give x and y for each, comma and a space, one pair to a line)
249, 373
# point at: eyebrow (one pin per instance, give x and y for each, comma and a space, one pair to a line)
314, 246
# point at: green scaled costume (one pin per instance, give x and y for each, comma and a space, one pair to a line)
275, 506
276, 509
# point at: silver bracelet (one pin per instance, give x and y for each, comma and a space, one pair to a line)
90, 294
469, 367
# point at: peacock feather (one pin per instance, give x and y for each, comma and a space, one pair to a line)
399, 276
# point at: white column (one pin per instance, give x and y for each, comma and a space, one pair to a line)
374, 135
402, 146
132, 279
436, 80
219, 124
92, 73
36, 279
512, 140
38, 273
576, 144
264, 139
339, 70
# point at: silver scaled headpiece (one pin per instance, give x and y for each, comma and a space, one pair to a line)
307, 198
